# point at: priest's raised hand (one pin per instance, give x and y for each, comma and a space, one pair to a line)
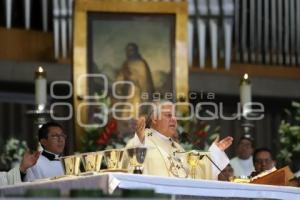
224, 143
140, 128
16, 174
29, 160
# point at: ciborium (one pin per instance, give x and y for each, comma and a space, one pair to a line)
71, 164
137, 157
113, 158
92, 161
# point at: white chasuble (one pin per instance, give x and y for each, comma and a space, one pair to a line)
162, 161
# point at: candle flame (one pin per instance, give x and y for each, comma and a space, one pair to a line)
246, 76
40, 72
40, 69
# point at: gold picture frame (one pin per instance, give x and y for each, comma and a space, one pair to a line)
82, 12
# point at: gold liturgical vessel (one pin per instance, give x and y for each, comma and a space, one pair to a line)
193, 160
113, 158
137, 157
71, 164
92, 161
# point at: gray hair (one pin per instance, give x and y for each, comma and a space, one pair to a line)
155, 110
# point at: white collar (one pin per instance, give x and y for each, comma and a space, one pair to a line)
160, 134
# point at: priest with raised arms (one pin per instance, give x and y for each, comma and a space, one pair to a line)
161, 158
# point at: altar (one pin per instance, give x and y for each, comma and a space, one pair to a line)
110, 182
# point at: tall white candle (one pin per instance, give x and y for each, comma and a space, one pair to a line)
40, 88
245, 94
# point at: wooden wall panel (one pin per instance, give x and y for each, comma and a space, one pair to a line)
25, 45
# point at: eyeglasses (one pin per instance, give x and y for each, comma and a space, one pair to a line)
267, 160
56, 137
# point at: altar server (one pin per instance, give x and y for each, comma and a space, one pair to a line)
52, 138
161, 159
242, 163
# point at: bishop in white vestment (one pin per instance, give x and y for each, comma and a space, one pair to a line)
163, 154
162, 159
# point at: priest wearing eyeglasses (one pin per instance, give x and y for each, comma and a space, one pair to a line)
52, 138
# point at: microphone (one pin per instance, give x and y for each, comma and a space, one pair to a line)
209, 158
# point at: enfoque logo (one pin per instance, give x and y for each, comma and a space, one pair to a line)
204, 110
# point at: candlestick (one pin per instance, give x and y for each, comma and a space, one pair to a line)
245, 94
40, 88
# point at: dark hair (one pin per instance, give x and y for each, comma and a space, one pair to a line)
247, 137
257, 151
43, 131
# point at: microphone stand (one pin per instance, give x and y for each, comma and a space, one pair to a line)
201, 157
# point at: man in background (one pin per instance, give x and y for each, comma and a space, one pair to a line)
263, 161
52, 138
242, 163
17, 174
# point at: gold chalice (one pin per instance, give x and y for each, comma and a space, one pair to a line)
113, 158
71, 164
137, 157
92, 161
193, 160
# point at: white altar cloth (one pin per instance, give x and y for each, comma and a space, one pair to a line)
108, 182
206, 188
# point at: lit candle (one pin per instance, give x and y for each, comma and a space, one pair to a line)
40, 88
245, 94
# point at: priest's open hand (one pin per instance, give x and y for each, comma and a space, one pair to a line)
29, 160
224, 143
140, 128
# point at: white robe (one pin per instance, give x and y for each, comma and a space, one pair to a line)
11, 177
44, 168
242, 167
160, 160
